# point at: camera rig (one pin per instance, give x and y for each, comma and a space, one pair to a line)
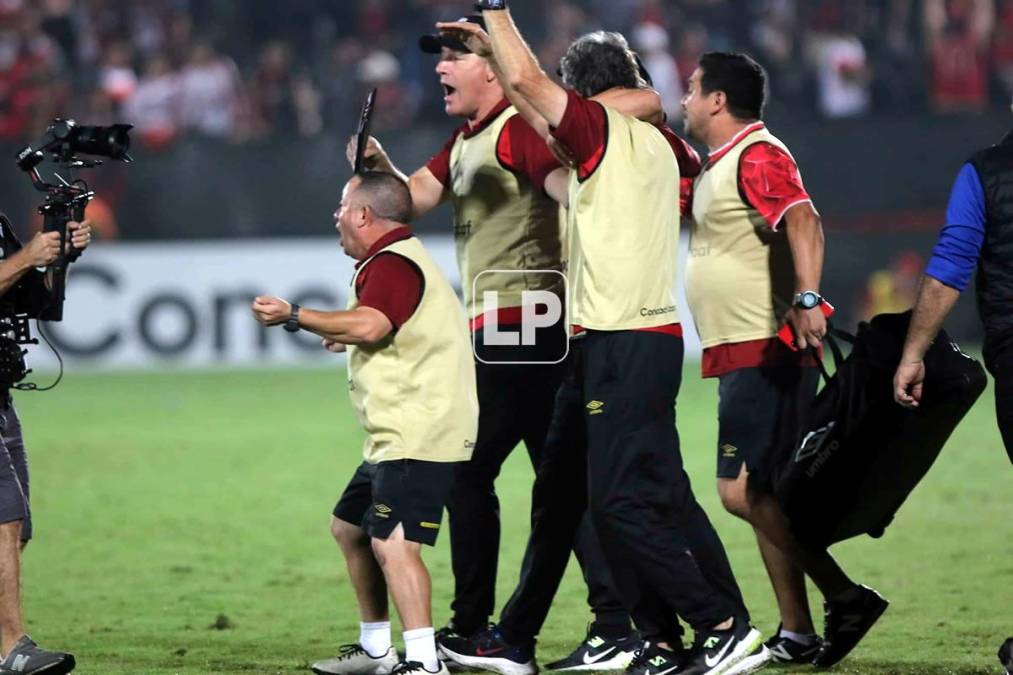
67, 201
41, 295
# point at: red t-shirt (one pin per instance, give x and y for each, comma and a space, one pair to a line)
584, 131
770, 182
519, 148
390, 283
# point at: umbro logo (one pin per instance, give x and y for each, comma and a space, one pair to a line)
595, 407
728, 450
382, 510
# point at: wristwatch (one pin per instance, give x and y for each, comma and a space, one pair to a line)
292, 324
487, 5
807, 300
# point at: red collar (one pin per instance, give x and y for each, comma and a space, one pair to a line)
718, 153
468, 131
397, 234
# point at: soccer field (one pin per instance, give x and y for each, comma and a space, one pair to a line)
182, 527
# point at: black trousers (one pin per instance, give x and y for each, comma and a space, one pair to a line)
515, 404
664, 555
561, 514
1000, 364
560, 522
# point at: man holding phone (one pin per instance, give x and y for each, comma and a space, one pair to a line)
756, 257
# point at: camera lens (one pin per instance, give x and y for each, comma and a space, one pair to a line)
112, 141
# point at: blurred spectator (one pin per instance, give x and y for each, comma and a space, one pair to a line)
116, 76
842, 70
211, 96
894, 289
651, 40
154, 108
693, 42
1002, 50
394, 108
957, 34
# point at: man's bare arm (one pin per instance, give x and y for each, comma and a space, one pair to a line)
935, 300
644, 104
805, 237
362, 325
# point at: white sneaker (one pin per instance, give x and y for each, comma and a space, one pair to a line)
354, 660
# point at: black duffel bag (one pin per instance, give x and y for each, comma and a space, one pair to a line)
862, 453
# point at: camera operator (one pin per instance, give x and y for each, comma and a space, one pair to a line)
23, 285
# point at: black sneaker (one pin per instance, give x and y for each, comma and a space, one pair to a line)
27, 657
846, 623
734, 651
651, 659
597, 652
1006, 656
455, 640
488, 650
416, 668
785, 650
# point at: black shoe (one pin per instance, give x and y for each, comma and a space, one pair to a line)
847, 622
785, 650
1006, 656
488, 650
597, 652
27, 657
416, 668
651, 659
734, 651
454, 639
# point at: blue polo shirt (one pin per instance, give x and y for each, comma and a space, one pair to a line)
955, 256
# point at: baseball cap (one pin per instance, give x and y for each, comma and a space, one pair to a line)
434, 44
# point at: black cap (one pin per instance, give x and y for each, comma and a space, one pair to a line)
434, 44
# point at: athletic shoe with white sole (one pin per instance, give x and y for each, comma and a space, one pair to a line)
354, 660
597, 652
785, 650
26, 658
734, 651
488, 650
651, 659
847, 621
416, 668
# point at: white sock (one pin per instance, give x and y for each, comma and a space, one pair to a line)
375, 637
420, 645
801, 638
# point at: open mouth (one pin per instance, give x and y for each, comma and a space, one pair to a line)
448, 90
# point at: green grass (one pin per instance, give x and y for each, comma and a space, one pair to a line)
162, 501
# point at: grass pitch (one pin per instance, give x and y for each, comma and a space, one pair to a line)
182, 527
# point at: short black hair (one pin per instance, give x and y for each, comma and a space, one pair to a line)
386, 194
740, 77
599, 61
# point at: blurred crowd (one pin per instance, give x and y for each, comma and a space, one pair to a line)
243, 71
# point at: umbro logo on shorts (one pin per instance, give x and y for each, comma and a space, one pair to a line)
728, 450
382, 510
595, 407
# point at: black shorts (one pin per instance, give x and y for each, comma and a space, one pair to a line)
760, 415
407, 491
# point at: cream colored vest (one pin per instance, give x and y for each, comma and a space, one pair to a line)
623, 229
740, 274
415, 391
501, 222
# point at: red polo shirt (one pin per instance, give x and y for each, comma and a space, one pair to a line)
389, 283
